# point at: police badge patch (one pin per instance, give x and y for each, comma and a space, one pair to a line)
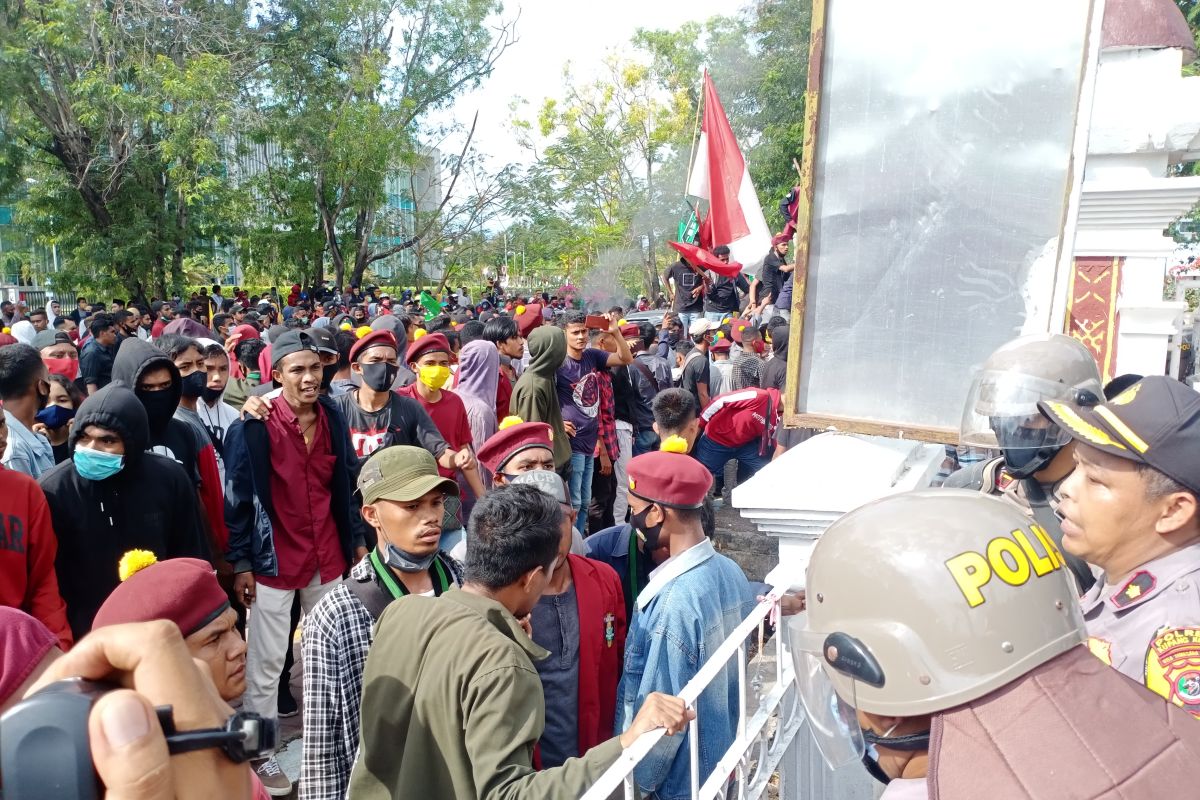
1173, 667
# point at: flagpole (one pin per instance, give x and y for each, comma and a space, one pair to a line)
695, 138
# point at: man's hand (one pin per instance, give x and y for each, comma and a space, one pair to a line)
658, 711
231, 342
463, 459
152, 662
526, 623
243, 588
256, 407
605, 462
790, 603
569, 427
696, 292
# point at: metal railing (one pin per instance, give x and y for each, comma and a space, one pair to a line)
758, 744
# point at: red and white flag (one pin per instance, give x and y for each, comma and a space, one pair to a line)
720, 176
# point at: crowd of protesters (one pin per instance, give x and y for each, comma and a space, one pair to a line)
489, 524
248, 466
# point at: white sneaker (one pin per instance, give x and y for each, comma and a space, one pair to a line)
273, 779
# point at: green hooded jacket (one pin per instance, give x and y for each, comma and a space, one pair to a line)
535, 397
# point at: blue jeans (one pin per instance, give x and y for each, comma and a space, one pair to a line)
645, 442
717, 316
580, 484
713, 456
686, 318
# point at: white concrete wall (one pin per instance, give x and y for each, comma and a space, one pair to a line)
1145, 117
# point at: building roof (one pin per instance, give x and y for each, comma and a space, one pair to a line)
1147, 23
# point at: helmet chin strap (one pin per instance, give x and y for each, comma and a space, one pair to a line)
1040, 460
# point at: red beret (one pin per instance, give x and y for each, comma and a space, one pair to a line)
429, 343
721, 345
246, 332
24, 642
781, 238
630, 331
530, 319
183, 590
379, 337
737, 327
502, 446
673, 479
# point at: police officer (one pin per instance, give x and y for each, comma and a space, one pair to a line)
1130, 508
1001, 412
941, 646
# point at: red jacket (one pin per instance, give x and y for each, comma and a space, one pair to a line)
27, 550
601, 647
735, 418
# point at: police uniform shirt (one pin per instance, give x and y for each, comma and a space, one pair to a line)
1148, 627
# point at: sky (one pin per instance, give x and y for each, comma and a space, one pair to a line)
550, 33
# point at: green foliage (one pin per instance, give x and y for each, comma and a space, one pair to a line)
112, 120
612, 156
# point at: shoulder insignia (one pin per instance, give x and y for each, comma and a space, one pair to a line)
1101, 649
1004, 480
1141, 583
1173, 667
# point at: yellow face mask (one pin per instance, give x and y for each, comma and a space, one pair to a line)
433, 375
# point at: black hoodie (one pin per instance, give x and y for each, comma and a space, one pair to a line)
150, 504
168, 436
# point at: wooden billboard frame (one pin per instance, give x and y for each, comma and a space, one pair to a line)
812, 114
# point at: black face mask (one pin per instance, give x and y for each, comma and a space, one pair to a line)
160, 406
327, 373
380, 375
193, 384
650, 534
212, 395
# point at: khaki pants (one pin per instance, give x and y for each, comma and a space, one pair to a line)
267, 640
620, 471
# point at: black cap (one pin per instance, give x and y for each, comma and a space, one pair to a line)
323, 339
49, 338
292, 341
1154, 422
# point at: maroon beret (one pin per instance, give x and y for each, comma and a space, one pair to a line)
24, 642
183, 590
630, 331
429, 343
721, 345
673, 479
505, 444
738, 328
530, 318
380, 337
781, 238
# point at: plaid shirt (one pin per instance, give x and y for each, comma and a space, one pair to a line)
607, 433
337, 635
746, 372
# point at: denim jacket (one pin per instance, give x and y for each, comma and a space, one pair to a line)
691, 605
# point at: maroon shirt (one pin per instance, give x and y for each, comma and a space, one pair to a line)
305, 535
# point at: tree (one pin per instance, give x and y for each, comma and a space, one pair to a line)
605, 142
346, 86
112, 116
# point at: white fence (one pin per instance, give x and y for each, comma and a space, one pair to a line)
763, 737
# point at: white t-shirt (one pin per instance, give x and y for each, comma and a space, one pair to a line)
906, 789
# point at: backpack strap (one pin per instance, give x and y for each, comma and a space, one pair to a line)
647, 374
373, 596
